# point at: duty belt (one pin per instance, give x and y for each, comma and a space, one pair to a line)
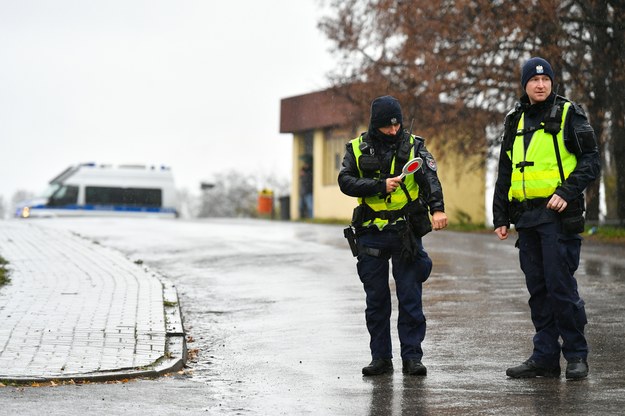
364, 212
530, 203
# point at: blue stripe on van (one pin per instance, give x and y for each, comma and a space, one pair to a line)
118, 208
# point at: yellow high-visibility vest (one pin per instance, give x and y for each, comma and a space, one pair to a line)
540, 179
394, 201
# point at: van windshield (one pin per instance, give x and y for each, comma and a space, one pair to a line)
64, 195
50, 190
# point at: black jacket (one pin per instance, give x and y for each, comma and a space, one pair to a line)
385, 148
579, 138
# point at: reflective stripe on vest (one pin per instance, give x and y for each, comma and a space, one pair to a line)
394, 201
540, 179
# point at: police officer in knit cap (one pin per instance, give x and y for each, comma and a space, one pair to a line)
548, 157
389, 222
535, 66
385, 111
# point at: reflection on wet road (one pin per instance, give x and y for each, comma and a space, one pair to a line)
276, 312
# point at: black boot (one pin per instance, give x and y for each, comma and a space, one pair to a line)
379, 366
414, 368
576, 369
529, 369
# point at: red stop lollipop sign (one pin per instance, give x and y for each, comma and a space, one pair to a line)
411, 167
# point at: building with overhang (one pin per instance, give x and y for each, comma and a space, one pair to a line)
323, 122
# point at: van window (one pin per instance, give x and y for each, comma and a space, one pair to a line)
100, 195
64, 195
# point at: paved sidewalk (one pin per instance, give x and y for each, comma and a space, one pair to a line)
76, 310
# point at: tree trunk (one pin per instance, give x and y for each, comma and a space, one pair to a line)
618, 138
617, 109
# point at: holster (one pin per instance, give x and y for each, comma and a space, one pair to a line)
349, 234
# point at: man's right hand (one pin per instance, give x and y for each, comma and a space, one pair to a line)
392, 184
502, 232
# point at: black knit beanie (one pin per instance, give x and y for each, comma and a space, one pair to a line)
385, 111
535, 66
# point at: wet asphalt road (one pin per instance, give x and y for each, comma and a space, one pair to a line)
275, 315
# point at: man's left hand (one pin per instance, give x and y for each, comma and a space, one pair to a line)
439, 220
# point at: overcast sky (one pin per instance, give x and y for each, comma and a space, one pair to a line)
193, 84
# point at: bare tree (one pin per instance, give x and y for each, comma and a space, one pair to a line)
445, 59
595, 61
235, 194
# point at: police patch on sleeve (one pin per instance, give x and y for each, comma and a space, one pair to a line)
431, 163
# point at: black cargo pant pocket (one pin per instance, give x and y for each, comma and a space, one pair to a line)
572, 217
419, 218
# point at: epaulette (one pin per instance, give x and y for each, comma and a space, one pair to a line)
578, 109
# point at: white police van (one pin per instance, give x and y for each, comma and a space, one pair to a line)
89, 189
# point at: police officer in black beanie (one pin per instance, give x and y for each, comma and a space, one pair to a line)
390, 220
548, 157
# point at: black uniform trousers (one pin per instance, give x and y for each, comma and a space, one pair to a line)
409, 276
549, 259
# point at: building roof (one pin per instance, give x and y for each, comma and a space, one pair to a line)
316, 110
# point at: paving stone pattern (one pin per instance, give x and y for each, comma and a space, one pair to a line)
74, 307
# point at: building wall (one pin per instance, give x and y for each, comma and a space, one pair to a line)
463, 183
462, 177
328, 200
298, 149
331, 203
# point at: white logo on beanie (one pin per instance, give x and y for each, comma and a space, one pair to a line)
540, 69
